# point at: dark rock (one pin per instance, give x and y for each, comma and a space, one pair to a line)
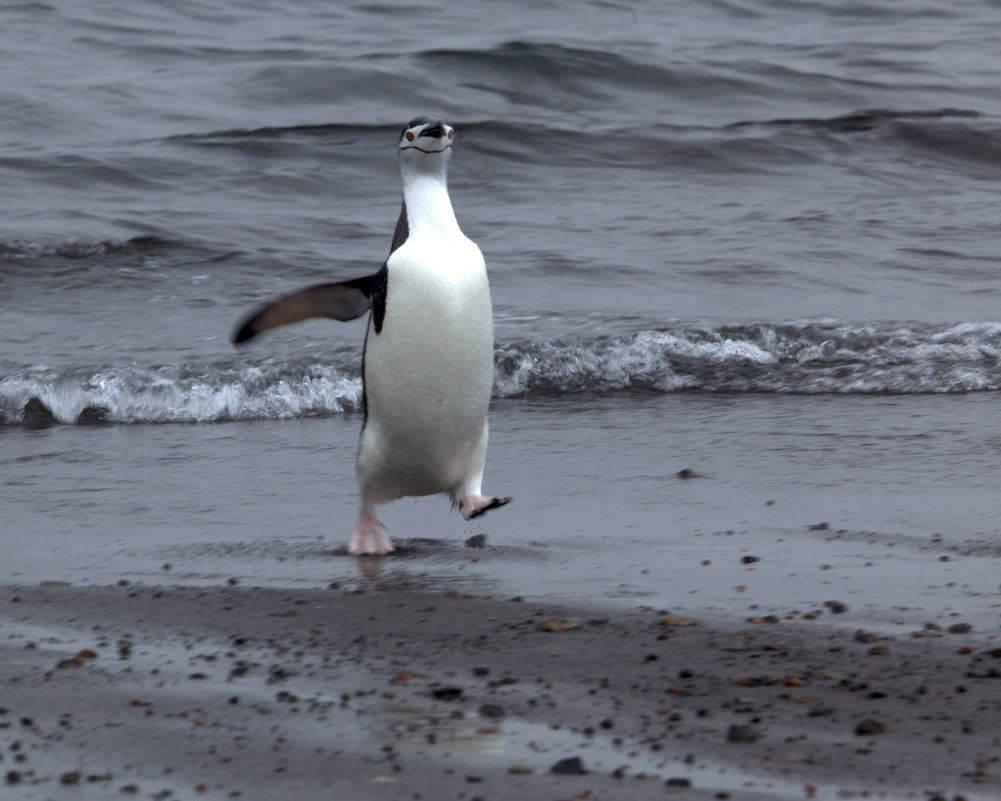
38, 415
447, 693
820, 527
277, 673
492, 711
571, 766
741, 734
678, 781
13, 777
93, 416
836, 607
73, 777
477, 541
749, 560
868, 727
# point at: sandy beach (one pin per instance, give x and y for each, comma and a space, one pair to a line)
381, 690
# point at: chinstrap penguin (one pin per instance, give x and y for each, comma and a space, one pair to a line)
428, 365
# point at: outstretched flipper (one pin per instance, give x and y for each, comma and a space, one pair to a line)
342, 301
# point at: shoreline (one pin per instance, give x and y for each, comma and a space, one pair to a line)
388, 693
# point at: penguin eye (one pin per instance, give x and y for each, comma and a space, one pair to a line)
410, 136
450, 134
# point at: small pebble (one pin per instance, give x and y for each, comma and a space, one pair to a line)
741, 734
868, 727
571, 766
447, 693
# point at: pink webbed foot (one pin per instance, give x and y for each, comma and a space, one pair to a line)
476, 505
369, 536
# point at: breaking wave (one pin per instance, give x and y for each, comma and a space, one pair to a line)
186, 394
813, 357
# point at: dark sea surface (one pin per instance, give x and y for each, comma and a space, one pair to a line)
758, 240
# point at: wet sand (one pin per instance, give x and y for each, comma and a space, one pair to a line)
179, 618
380, 689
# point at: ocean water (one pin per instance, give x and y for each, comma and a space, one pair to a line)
754, 239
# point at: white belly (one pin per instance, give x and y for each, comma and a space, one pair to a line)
428, 374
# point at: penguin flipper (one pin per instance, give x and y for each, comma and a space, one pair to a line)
343, 301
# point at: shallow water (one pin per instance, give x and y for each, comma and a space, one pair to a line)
893, 516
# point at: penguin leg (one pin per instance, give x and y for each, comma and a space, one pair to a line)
476, 505
468, 496
369, 537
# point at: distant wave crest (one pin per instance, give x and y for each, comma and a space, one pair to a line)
811, 357
19, 248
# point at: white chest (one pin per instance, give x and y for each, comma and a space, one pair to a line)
434, 355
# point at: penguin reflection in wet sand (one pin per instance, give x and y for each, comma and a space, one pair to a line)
428, 364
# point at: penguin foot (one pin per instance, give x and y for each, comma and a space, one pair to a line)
476, 505
370, 536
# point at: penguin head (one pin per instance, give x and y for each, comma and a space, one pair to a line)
425, 145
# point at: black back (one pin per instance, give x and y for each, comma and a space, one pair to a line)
402, 229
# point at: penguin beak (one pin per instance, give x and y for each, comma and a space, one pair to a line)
437, 130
